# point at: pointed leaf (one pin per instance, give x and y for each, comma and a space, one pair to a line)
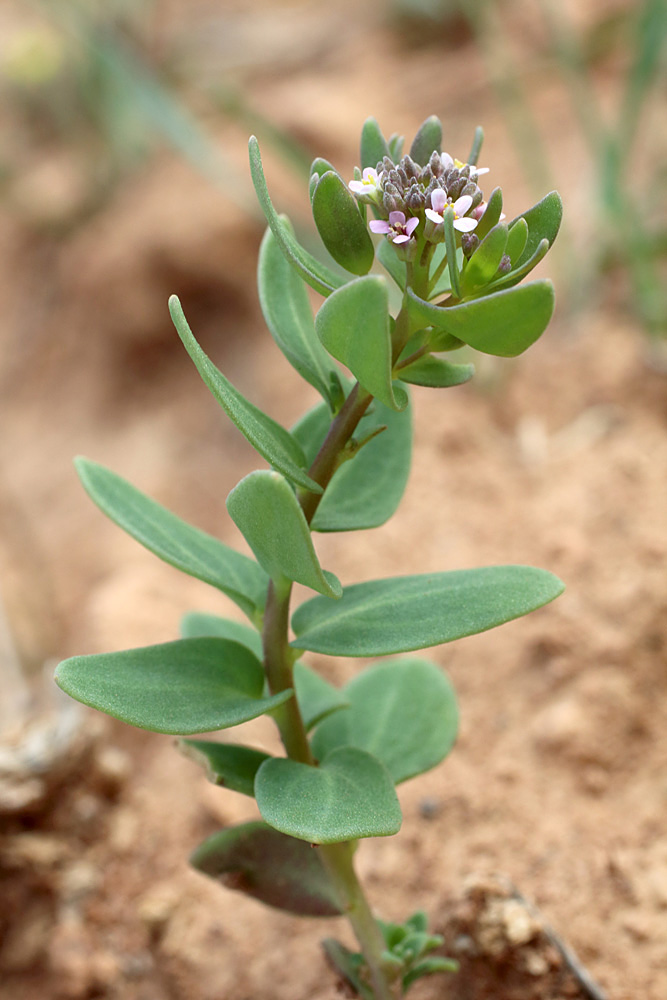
278, 870
396, 268
395, 143
350, 795
492, 213
450, 247
316, 697
503, 323
267, 513
229, 765
412, 612
517, 238
341, 225
403, 712
373, 144
178, 543
435, 373
543, 220
353, 325
313, 272
288, 315
269, 438
182, 687
366, 490
428, 139
199, 624
484, 263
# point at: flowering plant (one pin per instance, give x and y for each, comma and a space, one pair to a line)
457, 266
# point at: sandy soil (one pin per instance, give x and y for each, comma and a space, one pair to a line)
556, 791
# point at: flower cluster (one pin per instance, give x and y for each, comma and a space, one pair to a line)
405, 194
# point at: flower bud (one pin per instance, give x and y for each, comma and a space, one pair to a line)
505, 265
415, 200
469, 243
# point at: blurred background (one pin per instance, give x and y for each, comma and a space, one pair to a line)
123, 179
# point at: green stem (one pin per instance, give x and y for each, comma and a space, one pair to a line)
338, 859
279, 663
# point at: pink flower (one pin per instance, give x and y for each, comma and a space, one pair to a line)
478, 212
397, 228
368, 184
462, 205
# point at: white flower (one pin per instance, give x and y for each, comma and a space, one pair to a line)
462, 205
368, 185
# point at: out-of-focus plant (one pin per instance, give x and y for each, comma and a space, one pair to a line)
628, 227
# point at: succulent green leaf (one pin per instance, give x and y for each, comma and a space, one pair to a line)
543, 220
316, 697
517, 238
515, 276
427, 139
366, 490
229, 765
353, 325
435, 373
341, 225
476, 147
313, 272
173, 540
491, 217
267, 513
319, 167
504, 323
183, 687
396, 268
198, 624
450, 247
427, 967
267, 437
402, 711
373, 144
288, 315
278, 870
412, 612
484, 262
350, 795
395, 143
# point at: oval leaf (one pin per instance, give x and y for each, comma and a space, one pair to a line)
516, 240
483, 264
353, 325
543, 221
316, 697
265, 510
178, 543
435, 373
288, 315
269, 438
341, 225
403, 712
199, 624
314, 273
227, 764
503, 323
373, 144
492, 213
183, 687
412, 612
428, 139
350, 795
365, 491
279, 871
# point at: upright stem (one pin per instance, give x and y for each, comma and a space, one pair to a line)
279, 663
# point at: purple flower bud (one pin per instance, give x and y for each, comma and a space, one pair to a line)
469, 243
387, 164
505, 265
435, 163
470, 188
415, 200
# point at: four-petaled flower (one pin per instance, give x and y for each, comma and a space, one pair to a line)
368, 184
462, 205
397, 228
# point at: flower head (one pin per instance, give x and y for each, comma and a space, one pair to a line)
397, 228
368, 185
439, 202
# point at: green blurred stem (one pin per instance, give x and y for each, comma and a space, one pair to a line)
279, 664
